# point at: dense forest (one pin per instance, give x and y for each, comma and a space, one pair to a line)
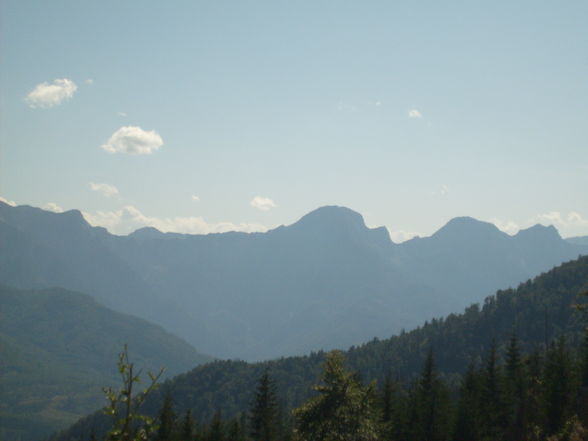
515, 368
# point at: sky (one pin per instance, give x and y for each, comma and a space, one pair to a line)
209, 116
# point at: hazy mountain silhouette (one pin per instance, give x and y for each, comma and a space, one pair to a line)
325, 281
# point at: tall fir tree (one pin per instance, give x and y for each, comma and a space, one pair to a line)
166, 418
433, 405
557, 386
493, 404
515, 392
467, 424
263, 422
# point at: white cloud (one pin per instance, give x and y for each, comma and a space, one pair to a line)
133, 139
47, 95
402, 236
509, 227
346, 107
52, 206
8, 202
261, 203
414, 113
123, 114
89, 81
195, 198
442, 191
106, 189
129, 218
570, 224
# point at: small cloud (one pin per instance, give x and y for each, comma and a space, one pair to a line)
442, 191
133, 140
52, 206
106, 189
570, 224
129, 219
402, 236
47, 95
89, 81
346, 107
195, 198
121, 114
261, 203
572, 220
414, 113
8, 202
509, 227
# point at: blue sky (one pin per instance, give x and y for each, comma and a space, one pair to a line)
206, 116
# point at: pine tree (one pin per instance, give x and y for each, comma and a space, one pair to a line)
187, 427
167, 418
343, 410
515, 391
493, 403
432, 402
557, 382
263, 414
216, 430
467, 426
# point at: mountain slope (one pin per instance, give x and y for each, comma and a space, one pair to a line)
537, 310
326, 281
57, 352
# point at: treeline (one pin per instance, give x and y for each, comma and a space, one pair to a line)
459, 348
537, 396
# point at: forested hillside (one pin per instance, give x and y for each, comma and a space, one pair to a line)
529, 319
57, 352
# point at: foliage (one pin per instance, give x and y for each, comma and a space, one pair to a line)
343, 410
124, 404
264, 411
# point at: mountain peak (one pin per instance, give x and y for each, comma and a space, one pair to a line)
466, 226
329, 215
340, 222
146, 233
539, 231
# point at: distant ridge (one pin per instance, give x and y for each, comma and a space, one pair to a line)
327, 273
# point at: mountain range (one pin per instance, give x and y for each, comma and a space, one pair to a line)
326, 281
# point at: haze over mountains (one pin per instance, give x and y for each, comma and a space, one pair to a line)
326, 281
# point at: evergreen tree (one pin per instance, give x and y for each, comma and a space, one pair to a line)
467, 425
515, 392
387, 393
432, 403
167, 418
235, 431
263, 414
493, 405
216, 430
343, 410
187, 433
557, 386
